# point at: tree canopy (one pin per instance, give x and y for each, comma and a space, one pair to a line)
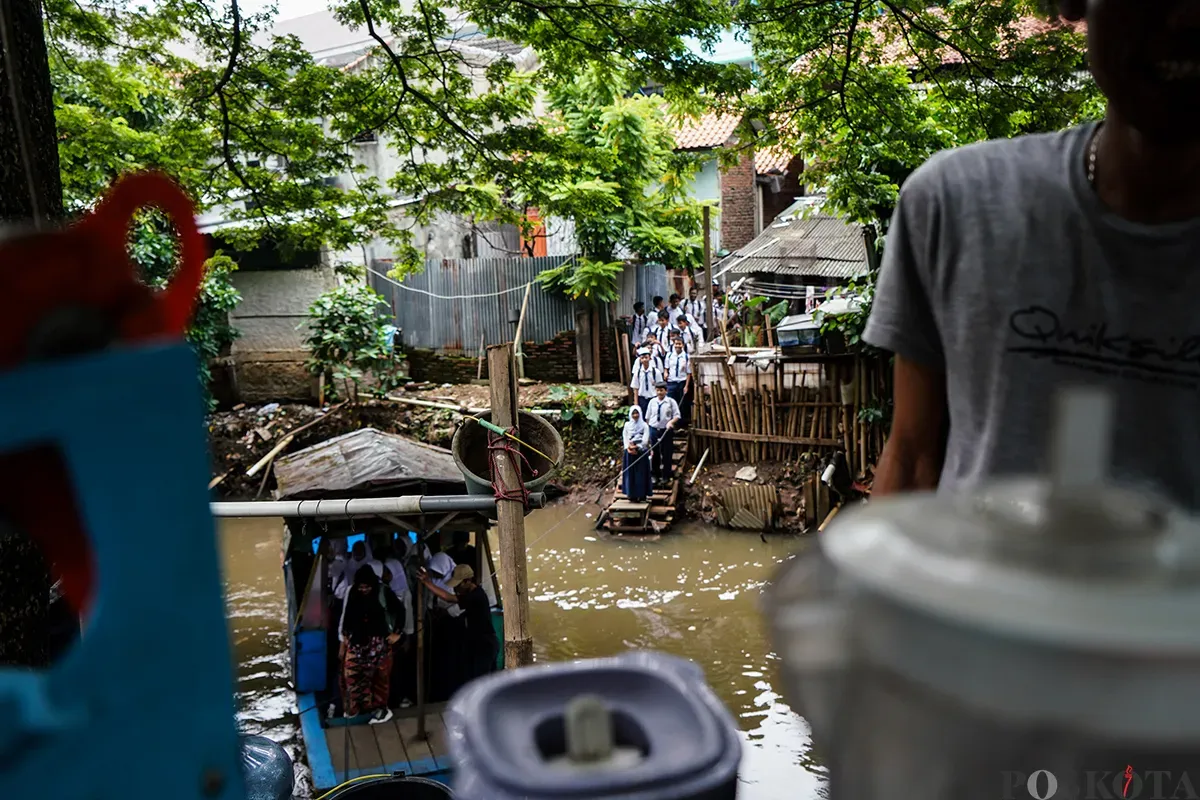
864, 91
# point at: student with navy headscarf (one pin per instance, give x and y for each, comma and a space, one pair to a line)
635, 463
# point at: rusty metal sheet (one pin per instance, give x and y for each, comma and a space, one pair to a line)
365, 461
748, 506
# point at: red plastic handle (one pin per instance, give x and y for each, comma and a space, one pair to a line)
114, 216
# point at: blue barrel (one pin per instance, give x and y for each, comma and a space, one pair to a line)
395, 788
642, 725
267, 769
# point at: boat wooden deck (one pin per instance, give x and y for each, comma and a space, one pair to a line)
340, 750
623, 516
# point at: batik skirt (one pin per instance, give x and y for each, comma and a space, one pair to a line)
366, 676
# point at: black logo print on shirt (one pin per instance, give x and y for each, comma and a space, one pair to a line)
1098, 348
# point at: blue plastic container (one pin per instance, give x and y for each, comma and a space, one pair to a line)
267, 769
311, 662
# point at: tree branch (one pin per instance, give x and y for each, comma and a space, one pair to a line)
406, 87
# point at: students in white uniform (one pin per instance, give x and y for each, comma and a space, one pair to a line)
658, 350
398, 581
679, 372
662, 328
662, 415
337, 561
639, 323
679, 380
673, 310
691, 335
645, 375
360, 555
440, 567
694, 307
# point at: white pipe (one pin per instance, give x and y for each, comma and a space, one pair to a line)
365, 507
326, 509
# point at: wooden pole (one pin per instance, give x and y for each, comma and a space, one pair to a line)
510, 515
520, 328
482, 353
712, 328
491, 565
596, 344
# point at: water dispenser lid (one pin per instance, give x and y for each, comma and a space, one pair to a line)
506, 731
1106, 568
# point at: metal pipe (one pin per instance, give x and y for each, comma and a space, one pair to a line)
365, 507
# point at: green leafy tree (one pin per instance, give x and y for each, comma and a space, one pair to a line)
153, 249
348, 341
579, 401
606, 161
869, 91
865, 91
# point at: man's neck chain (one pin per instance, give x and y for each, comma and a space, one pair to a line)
1093, 149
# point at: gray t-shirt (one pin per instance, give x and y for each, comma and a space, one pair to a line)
1003, 267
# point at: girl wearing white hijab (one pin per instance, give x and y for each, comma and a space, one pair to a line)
360, 556
635, 463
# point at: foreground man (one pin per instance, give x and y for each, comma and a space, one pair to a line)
1015, 267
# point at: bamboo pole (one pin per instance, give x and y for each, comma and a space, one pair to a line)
510, 514
699, 466
420, 631
491, 565
623, 357
596, 346
520, 356
707, 294
482, 355
859, 427
291, 435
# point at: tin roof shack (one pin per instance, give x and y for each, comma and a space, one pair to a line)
805, 394
789, 404
803, 251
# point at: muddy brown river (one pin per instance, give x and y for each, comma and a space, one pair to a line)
694, 593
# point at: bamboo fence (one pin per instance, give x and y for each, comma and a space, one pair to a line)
816, 417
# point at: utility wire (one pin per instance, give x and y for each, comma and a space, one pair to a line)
395, 282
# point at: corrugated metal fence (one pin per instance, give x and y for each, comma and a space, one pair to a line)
429, 320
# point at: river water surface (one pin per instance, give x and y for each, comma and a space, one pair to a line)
693, 593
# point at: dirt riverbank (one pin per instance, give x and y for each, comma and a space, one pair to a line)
242, 437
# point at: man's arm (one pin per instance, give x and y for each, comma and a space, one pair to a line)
916, 447
904, 321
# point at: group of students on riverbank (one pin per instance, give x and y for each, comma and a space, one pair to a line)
371, 611
661, 386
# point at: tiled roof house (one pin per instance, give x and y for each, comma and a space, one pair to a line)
749, 194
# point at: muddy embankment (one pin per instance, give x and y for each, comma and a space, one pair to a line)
243, 437
240, 438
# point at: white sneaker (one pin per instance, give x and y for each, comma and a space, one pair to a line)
381, 717
332, 711
406, 703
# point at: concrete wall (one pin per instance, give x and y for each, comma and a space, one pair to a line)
268, 357
707, 186
554, 361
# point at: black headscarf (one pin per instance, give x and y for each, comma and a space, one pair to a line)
365, 617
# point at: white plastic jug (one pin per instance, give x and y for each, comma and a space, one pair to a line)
1039, 633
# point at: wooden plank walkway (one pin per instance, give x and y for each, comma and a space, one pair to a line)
362, 749
623, 516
